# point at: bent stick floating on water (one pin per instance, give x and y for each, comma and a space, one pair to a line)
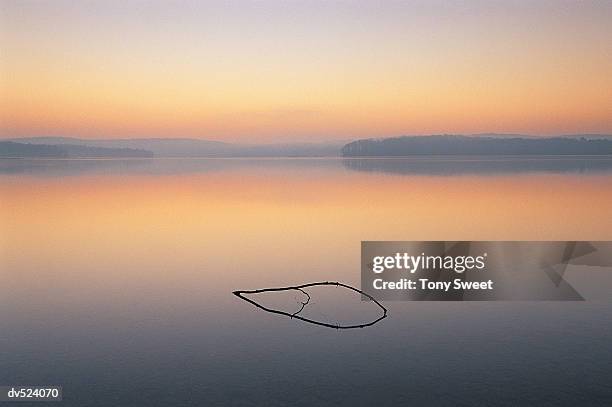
240, 295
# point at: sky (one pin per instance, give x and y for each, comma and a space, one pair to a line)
282, 71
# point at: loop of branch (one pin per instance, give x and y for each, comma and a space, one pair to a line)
240, 294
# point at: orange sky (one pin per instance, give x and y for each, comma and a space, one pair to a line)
296, 71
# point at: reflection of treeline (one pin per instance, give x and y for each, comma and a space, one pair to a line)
25, 150
466, 145
481, 165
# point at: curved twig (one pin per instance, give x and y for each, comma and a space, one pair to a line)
303, 303
240, 295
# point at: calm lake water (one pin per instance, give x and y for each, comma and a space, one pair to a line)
117, 278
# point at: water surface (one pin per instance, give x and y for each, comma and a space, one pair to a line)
117, 279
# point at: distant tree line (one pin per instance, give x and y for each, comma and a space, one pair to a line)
468, 145
9, 149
